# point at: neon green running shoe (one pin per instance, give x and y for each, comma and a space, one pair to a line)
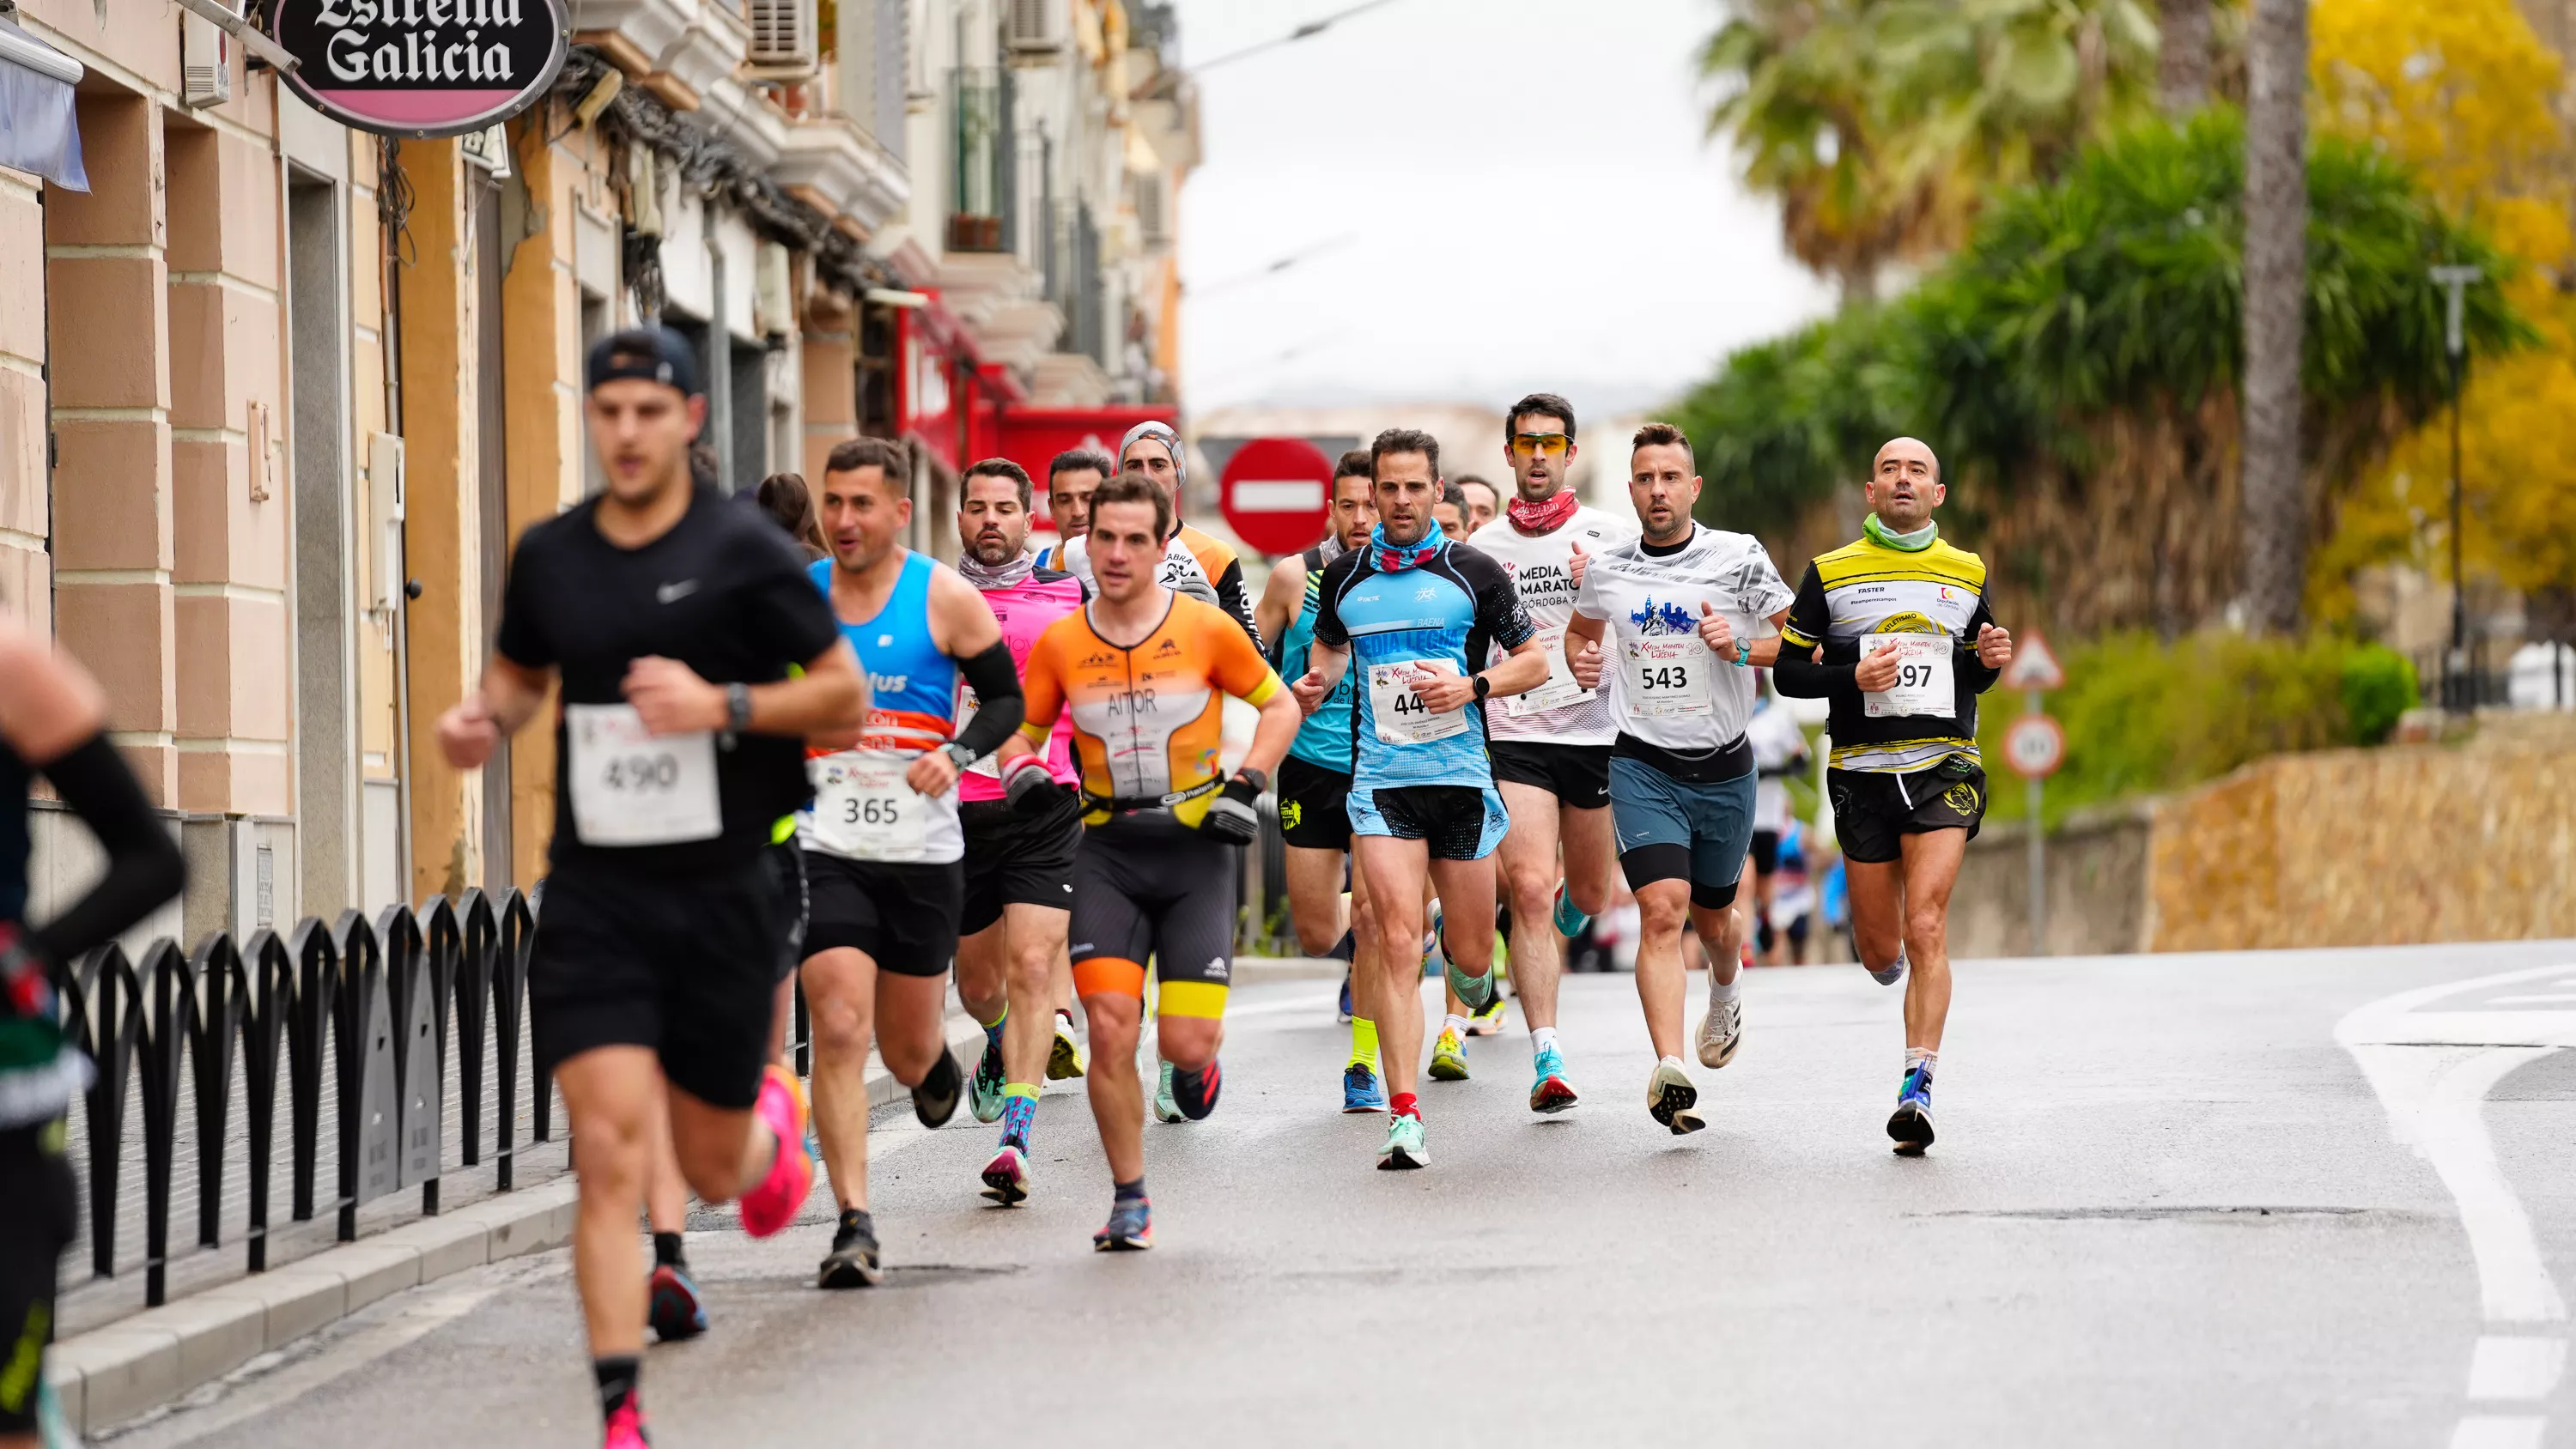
984, 1093
1448, 1057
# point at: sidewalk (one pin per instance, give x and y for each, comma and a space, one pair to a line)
138, 1362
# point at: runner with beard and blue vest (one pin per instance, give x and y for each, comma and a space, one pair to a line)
1315, 784
1412, 614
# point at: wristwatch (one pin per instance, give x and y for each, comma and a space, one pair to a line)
1484, 687
958, 754
737, 708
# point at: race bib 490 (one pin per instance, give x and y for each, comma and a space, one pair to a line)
630, 787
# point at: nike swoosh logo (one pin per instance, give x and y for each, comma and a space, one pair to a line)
673, 593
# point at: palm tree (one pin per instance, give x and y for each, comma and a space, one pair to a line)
2273, 496
2183, 55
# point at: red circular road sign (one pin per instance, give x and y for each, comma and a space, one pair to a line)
1278, 494
2035, 746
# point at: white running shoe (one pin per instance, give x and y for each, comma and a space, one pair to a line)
1721, 1031
1895, 971
1670, 1097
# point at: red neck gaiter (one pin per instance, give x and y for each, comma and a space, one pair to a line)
1545, 516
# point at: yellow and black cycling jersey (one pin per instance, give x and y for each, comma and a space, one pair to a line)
1148, 717
1854, 596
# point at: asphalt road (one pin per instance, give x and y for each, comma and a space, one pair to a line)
2170, 1205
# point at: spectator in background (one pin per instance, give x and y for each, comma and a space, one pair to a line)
784, 497
1071, 478
1451, 511
1482, 501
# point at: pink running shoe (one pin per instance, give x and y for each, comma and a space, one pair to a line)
626, 1429
772, 1205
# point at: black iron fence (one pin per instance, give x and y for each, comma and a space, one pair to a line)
359, 1021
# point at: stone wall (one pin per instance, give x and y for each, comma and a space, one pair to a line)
2096, 888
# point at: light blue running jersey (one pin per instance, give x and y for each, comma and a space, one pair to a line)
1325, 738
1447, 608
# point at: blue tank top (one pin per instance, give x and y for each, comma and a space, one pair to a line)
912, 687
1325, 738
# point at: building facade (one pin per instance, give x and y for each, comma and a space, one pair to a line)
276, 396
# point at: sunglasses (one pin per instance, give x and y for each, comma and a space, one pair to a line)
1530, 445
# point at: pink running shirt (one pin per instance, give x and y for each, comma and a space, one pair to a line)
1024, 609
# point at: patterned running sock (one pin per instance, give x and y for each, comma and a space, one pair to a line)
993, 1028
1019, 1114
1541, 1039
1363, 1043
618, 1376
1403, 1104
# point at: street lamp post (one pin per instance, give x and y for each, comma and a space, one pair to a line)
2457, 687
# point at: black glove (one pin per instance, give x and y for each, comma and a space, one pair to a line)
1235, 816
1031, 790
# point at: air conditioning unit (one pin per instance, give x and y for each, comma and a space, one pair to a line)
205, 64
784, 43
773, 308
1035, 27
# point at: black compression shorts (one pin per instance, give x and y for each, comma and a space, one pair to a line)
1017, 859
1314, 805
1577, 775
1170, 900
38, 1214
1766, 852
684, 965
902, 916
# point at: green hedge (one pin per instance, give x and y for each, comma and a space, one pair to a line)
2143, 716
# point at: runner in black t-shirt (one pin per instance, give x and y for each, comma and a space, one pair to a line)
672, 621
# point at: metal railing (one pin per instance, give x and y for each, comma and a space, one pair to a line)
358, 1017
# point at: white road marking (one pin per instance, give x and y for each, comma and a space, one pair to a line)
2432, 1070
2498, 1431
2516, 1367
2560, 998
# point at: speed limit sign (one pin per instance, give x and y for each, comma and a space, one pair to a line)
2035, 746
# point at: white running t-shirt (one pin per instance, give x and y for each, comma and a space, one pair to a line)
1665, 686
1559, 712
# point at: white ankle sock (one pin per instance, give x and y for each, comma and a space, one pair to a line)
1541, 1038
1455, 1022
1727, 990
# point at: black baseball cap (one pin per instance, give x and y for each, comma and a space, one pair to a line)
655, 354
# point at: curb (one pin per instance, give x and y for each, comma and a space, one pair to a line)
136, 1364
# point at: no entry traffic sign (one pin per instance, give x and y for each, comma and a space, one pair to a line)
1278, 493
2035, 746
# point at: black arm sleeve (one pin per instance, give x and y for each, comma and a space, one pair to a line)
1971, 669
144, 867
1230, 593
1800, 677
999, 705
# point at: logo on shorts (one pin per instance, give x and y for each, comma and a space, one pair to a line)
1216, 969
1291, 814
1961, 798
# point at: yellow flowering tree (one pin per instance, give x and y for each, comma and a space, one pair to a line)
2462, 92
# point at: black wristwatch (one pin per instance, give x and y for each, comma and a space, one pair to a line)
1484, 687
737, 708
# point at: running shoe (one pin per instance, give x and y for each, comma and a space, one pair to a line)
1895, 971
676, 1312
935, 1100
1569, 921
1403, 1147
1477, 991
1360, 1089
1551, 1093
1488, 1022
1911, 1128
1195, 1093
1721, 1031
1006, 1177
1064, 1060
853, 1261
626, 1429
1342, 1012
1130, 1228
1167, 1108
1670, 1096
1448, 1057
984, 1094
773, 1204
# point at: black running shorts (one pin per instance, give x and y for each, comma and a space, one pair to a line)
787, 867
1766, 852
685, 965
38, 1214
1314, 805
1874, 810
1168, 900
1577, 775
901, 916
1017, 859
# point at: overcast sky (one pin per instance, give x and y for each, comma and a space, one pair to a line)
1515, 195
